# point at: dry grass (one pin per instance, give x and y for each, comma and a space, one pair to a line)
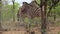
14, 28
52, 30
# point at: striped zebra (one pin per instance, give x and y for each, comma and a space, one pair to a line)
30, 10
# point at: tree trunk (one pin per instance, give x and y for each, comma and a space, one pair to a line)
43, 16
13, 11
0, 15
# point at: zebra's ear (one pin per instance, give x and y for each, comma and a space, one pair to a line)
25, 3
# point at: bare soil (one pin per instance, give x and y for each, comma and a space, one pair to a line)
51, 30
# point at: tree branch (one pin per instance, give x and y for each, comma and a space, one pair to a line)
55, 3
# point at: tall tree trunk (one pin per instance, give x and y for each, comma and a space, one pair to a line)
13, 11
0, 15
43, 16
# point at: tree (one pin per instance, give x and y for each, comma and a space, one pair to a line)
5, 2
0, 16
43, 5
43, 16
13, 11
7, 13
0, 13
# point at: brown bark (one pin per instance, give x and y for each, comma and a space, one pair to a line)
0, 12
43, 16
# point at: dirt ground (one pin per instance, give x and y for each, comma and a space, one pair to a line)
51, 30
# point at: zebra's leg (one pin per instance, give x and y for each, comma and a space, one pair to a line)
20, 19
